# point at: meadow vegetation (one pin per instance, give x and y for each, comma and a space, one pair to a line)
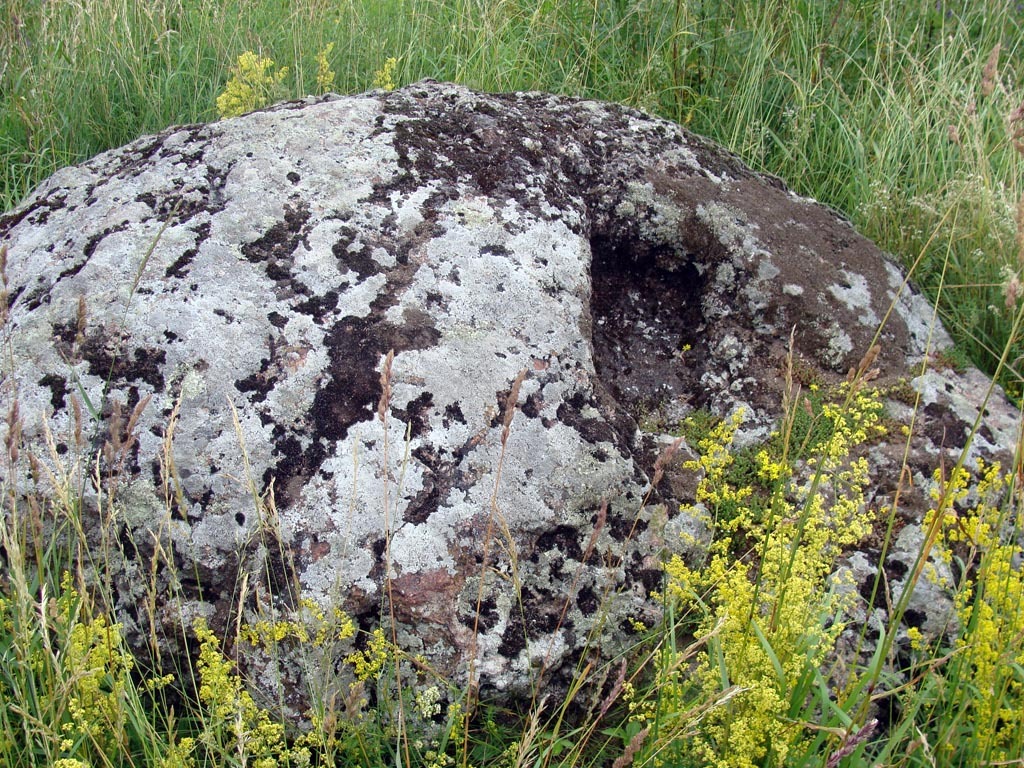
907, 116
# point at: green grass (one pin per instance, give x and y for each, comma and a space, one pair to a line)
852, 102
896, 113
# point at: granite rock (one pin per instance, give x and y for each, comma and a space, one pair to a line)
561, 283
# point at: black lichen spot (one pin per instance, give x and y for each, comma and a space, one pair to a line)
240, 518
109, 360
261, 382
942, 426
277, 319
58, 389
452, 413
71, 271
415, 414
438, 478
513, 639
355, 346
622, 527
258, 383
148, 198
278, 243
587, 601
179, 267
895, 569
495, 250
532, 405
643, 315
93, 242
318, 306
295, 465
914, 618
38, 209
485, 619
293, 177
564, 538
592, 429
355, 257
352, 392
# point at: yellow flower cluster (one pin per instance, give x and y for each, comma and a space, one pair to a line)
714, 461
252, 85
384, 78
988, 604
97, 662
768, 613
234, 722
324, 73
324, 630
369, 663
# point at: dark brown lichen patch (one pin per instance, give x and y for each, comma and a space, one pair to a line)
580, 413
452, 415
354, 255
647, 328
93, 242
37, 211
319, 306
262, 381
276, 247
943, 427
563, 538
179, 267
439, 474
541, 614
416, 414
483, 620
58, 387
112, 359
463, 144
355, 347
587, 601
135, 159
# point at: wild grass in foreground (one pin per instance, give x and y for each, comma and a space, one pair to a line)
904, 115
756, 662
760, 658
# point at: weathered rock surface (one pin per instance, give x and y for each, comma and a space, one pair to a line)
269, 263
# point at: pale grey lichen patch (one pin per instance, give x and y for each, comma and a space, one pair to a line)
856, 296
838, 347
733, 230
959, 397
921, 318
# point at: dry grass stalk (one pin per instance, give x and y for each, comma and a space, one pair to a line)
851, 741
1020, 231
3, 285
385, 385
510, 406
665, 458
620, 681
1016, 126
990, 74
626, 759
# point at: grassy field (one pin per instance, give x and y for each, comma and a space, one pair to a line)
907, 116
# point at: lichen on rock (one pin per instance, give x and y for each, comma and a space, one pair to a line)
252, 276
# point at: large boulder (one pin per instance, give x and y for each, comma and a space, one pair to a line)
561, 282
